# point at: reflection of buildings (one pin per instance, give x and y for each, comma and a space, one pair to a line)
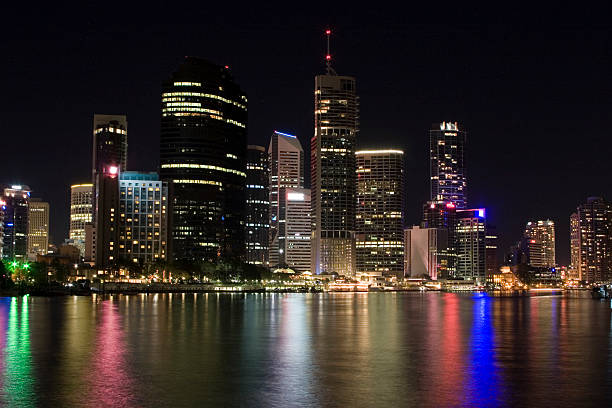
591, 232
257, 206
379, 214
448, 178
425, 252
470, 238
15, 213
333, 173
543, 232
38, 228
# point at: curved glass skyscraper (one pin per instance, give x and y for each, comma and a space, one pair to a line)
203, 158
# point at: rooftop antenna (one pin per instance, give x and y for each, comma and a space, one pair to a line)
330, 70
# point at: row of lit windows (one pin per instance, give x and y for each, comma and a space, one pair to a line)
201, 166
167, 95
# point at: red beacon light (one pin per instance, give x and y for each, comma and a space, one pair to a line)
328, 57
328, 32
113, 170
450, 205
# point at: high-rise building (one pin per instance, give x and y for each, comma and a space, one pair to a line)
448, 176
38, 228
333, 181
203, 158
593, 245
379, 213
16, 201
294, 230
81, 213
575, 244
471, 249
491, 252
425, 252
544, 233
286, 163
443, 216
107, 217
257, 206
142, 222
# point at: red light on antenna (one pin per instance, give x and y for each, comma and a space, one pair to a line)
227, 67
328, 32
328, 57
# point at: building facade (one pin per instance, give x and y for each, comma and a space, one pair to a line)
16, 201
38, 228
286, 163
333, 178
257, 206
294, 247
81, 213
425, 252
143, 209
379, 213
447, 153
443, 215
203, 159
544, 233
491, 249
592, 244
471, 245
107, 217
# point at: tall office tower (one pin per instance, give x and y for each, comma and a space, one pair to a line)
425, 252
203, 159
286, 162
294, 230
257, 206
470, 241
446, 155
492, 264
443, 216
38, 228
333, 181
575, 243
81, 213
143, 208
107, 217
544, 233
15, 235
379, 214
594, 244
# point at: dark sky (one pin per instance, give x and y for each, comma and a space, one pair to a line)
532, 87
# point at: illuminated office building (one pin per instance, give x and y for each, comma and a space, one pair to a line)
379, 214
286, 163
592, 243
443, 216
15, 211
333, 180
448, 177
142, 219
203, 158
492, 262
544, 233
470, 241
257, 206
294, 230
107, 217
575, 244
38, 228
81, 213
425, 252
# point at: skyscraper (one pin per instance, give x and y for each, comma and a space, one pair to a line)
142, 219
107, 216
81, 213
471, 248
425, 252
443, 216
332, 162
203, 158
379, 213
15, 218
286, 163
491, 252
293, 230
544, 233
257, 206
447, 153
592, 245
38, 228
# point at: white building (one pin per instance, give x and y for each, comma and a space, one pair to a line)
38, 228
425, 252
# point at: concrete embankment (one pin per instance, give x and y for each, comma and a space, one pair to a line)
118, 287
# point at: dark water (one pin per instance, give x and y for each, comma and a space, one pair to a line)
281, 350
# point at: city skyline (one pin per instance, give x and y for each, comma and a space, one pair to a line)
518, 194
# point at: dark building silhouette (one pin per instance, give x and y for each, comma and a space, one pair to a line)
203, 159
257, 206
14, 208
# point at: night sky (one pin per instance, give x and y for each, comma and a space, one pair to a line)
535, 96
